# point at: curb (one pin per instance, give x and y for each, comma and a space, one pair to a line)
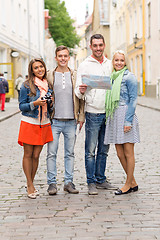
153, 108
9, 116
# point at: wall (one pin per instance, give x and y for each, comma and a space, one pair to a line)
21, 30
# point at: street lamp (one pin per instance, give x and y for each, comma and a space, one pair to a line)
14, 54
135, 40
114, 3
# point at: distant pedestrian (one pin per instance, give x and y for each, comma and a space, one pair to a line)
95, 151
122, 126
18, 83
4, 88
35, 128
69, 111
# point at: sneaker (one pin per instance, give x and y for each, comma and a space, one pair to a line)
106, 185
52, 189
92, 189
70, 187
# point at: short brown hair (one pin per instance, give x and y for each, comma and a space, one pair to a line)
96, 36
60, 48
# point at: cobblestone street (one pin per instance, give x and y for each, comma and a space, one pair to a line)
135, 216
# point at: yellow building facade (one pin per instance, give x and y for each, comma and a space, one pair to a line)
133, 26
135, 36
101, 22
118, 26
127, 32
81, 51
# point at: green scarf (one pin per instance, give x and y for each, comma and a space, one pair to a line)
113, 95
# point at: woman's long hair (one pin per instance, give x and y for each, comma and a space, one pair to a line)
29, 83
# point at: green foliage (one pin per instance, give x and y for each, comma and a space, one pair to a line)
61, 25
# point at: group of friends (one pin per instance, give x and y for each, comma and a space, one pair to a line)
57, 102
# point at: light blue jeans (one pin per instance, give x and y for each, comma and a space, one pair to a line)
68, 129
95, 151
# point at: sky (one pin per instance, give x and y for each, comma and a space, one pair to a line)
77, 9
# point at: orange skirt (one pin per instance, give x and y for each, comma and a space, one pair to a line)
34, 134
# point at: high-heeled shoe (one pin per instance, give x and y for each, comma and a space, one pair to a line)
31, 195
36, 192
134, 189
119, 192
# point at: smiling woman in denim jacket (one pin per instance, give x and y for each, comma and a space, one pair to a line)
122, 126
35, 129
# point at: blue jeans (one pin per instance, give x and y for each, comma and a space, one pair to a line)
68, 129
95, 164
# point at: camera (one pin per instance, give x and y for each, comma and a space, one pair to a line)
48, 98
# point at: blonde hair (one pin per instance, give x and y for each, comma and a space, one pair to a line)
125, 56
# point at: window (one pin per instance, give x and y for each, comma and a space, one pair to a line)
21, 21
149, 70
120, 32
25, 30
13, 16
149, 20
3, 13
140, 22
136, 66
77, 63
135, 22
24, 66
159, 14
141, 74
104, 12
131, 30
3, 55
3, 59
131, 65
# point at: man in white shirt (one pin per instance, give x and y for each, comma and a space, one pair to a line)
95, 162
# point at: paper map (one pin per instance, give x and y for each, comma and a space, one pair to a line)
99, 82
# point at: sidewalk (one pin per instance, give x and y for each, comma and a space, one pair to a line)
152, 103
11, 108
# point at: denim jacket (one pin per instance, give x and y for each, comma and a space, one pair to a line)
128, 95
26, 102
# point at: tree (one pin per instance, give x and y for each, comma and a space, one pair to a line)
61, 25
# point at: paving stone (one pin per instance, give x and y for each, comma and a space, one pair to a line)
76, 217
